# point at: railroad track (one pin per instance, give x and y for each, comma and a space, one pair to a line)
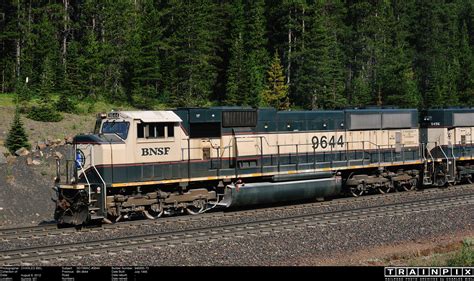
47, 255
51, 229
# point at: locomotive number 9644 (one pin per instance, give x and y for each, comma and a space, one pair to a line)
325, 141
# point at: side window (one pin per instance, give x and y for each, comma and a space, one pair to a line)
140, 130
170, 130
155, 130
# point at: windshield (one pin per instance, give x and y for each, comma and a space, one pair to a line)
120, 128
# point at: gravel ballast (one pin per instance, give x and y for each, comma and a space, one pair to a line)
210, 219
297, 247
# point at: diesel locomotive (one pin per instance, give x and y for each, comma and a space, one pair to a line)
194, 159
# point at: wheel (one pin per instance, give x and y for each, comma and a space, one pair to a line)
154, 211
411, 185
441, 181
469, 180
384, 189
358, 190
196, 208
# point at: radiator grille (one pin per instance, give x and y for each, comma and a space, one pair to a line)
244, 118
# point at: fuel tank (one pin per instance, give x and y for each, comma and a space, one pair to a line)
237, 195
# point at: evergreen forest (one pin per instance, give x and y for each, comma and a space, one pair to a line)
300, 54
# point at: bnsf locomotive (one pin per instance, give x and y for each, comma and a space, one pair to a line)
193, 159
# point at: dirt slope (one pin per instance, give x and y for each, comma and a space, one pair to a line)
25, 190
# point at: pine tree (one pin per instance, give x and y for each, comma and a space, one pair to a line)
237, 86
23, 92
8, 33
45, 111
318, 79
147, 53
86, 66
255, 47
361, 95
65, 104
191, 33
237, 72
119, 48
17, 137
45, 49
46, 86
145, 74
276, 94
447, 66
465, 82
367, 41
91, 66
432, 31
396, 84
73, 86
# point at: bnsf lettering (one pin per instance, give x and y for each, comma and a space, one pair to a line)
155, 151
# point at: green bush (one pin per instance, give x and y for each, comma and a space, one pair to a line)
44, 113
23, 107
463, 258
91, 107
64, 104
142, 98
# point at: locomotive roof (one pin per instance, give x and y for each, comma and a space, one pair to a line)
448, 117
152, 116
271, 120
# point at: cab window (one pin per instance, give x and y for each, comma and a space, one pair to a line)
116, 127
155, 130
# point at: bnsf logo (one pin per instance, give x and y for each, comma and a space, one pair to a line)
155, 151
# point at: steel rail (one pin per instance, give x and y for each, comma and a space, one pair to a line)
47, 254
51, 229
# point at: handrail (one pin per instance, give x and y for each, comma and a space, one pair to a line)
452, 151
83, 171
87, 180
223, 149
431, 155
92, 165
447, 159
103, 182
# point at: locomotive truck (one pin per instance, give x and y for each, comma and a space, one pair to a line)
194, 159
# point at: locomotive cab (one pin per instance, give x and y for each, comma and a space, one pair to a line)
103, 160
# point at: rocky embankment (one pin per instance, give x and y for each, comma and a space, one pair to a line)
26, 178
26, 181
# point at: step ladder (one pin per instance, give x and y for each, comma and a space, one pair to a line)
449, 162
428, 167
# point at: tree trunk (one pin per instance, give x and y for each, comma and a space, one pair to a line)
65, 32
29, 18
18, 44
3, 68
302, 30
379, 94
288, 69
3, 81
